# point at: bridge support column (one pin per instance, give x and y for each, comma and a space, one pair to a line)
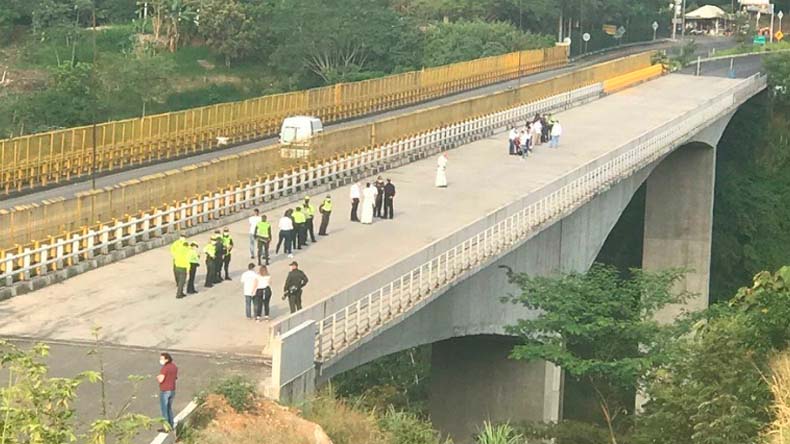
472, 380
679, 221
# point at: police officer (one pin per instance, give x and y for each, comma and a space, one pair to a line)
227, 246
299, 227
309, 212
294, 284
180, 265
377, 209
194, 263
326, 211
210, 252
263, 234
389, 200
174, 252
219, 258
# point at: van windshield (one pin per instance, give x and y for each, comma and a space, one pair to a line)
288, 134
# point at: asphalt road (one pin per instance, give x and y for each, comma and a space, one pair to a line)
742, 66
70, 189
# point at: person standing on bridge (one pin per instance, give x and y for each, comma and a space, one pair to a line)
181, 254
537, 132
378, 209
194, 263
263, 234
249, 286
513, 141
253, 222
174, 251
294, 284
556, 132
210, 252
389, 200
227, 246
441, 171
286, 227
309, 212
168, 374
355, 194
299, 227
368, 203
263, 295
219, 257
326, 211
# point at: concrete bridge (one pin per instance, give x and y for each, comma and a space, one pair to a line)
430, 275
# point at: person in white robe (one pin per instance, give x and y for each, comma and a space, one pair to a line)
441, 174
368, 203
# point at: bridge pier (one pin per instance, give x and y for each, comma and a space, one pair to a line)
472, 377
679, 222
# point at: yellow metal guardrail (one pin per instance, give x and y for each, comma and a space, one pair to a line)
88, 211
41, 159
627, 80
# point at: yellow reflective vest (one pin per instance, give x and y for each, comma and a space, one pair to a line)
299, 217
326, 207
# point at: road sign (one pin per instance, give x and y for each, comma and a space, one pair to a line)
779, 36
586, 37
780, 15
759, 40
610, 29
620, 32
655, 26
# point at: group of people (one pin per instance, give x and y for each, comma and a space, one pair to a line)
295, 227
186, 260
377, 200
537, 131
257, 289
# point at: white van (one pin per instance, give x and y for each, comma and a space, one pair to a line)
300, 129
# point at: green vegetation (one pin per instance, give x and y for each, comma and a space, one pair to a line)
748, 48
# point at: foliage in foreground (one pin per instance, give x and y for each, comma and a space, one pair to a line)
37, 409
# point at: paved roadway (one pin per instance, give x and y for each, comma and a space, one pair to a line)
71, 189
134, 299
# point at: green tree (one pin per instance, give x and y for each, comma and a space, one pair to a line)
37, 409
715, 388
778, 68
227, 28
599, 328
141, 79
453, 42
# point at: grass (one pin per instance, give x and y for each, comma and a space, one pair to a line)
779, 432
749, 48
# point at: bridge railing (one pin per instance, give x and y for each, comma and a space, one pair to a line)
43, 258
41, 159
342, 328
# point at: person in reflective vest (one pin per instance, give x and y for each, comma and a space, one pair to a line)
219, 256
210, 253
309, 212
174, 247
263, 234
326, 211
194, 263
180, 265
299, 228
227, 245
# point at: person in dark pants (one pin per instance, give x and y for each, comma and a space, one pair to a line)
219, 259
286, 227
355, 195
264, 293
389, 198
227, 246
194, 263
210, 252
180, 253
294, 284
309, 212
168, 374
379, 206
326, 211
263, 235
300, 228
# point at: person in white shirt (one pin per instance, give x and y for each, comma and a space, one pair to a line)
556, 132
263, 294
537, 131
286, 227
368, 203
355, 194
249, 283
524, 141
513, 137
253, 221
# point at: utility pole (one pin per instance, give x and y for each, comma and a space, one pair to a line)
93, 117
683, 20
520, 29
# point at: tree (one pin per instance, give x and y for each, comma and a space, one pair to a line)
227, 28
172, 16
778, 68
715, 388
599, 328
36, 408
140, 79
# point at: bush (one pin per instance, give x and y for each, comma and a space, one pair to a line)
499, 434
566, 432
238, 391
343, 423
407, 428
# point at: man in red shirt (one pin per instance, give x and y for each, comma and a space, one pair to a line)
167, 387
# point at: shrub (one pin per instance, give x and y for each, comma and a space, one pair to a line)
238, 391
499, 434
343, 423
406, 428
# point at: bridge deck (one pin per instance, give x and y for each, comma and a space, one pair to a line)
134, 299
